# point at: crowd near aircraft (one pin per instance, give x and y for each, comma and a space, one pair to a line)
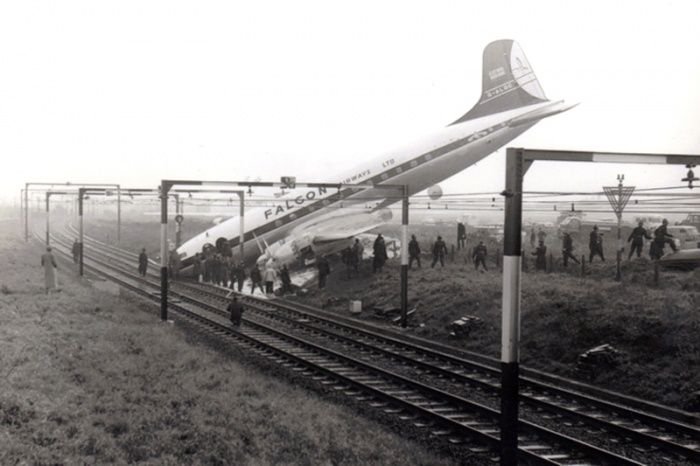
307, 222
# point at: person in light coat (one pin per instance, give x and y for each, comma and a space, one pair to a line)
50, 267
269, 278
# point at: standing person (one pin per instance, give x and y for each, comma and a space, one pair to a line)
76, 251
637, 237
567, 249
232, 272
357, 250
197, 267
255, 279
174, 264
324, 269
479, 255
348, 259
208, 267
439, 251
269, 277
661, 238
143, 262
286, 280
413, 252
235, 309
541, 256
50, 267
380, 255
461, 236
533, 237
240, 276
541, 235
595, 244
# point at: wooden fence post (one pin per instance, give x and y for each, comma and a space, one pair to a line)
656, 272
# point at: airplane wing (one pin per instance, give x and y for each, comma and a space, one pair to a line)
323, 236
338, 235
343, 224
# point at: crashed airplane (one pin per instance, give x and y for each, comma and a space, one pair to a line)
306, 222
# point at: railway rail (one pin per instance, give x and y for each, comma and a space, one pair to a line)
429, 386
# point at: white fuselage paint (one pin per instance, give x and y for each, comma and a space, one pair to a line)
418, 165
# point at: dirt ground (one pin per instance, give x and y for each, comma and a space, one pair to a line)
90, 377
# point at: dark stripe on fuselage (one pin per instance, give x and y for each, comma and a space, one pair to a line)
377, 179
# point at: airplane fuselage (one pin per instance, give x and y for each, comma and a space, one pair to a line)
417, 165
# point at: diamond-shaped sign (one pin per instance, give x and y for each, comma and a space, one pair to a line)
618, 196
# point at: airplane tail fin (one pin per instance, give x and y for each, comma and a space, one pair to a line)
508, 81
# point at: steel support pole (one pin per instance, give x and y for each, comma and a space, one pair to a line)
164, 251
241, 226
618, 272
510, 331
404, 256
21, 208
48, 196
26, 212
177, 224
80, 217
119, 215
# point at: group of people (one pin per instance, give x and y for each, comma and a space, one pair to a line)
215, 268
439, 251
352, 257
659, 240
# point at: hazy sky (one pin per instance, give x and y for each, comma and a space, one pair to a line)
132, 92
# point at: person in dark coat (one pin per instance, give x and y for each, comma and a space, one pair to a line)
240, 276
143, 262
357, 250
439, 251
197, 268
479, 255
637, 237
595, 244
286, 280
76, 251
256, 279
413, 252
208, 267
235, 309
324, 269
232, 272
380, 255
541, 256
567, 249
661, 238
461, 236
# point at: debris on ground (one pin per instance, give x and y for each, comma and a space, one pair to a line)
393, 314
461, 327
600, 358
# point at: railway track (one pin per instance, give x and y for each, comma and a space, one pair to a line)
427, 386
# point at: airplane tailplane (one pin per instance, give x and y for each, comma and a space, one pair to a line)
508, 81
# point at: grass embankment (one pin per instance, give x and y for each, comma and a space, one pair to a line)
563, 315
90, 378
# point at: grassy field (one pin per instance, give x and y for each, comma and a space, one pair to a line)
87, 377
